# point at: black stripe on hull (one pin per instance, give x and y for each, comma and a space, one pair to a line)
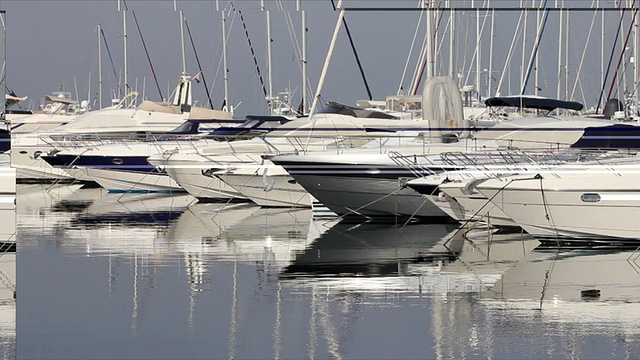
361, 170
128, 163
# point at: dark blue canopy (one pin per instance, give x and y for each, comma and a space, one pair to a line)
533, 103
617, 136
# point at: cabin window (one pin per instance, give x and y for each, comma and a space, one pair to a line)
590, 197
117, 161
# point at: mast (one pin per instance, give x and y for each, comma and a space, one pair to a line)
478, 48
452, 30
184, 58
303, 14
99, 68
270, 99
327, 60
537, 60
224, 63
601, 50
3, 107
430, 41
269, 67
490, 75
126, 71
559, 84
524, 46
303, 58
634, 61
566, 54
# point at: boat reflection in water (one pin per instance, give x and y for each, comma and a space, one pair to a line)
8, 283
124, 224
215, 277
422, 258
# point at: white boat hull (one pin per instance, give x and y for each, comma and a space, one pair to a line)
474, 206
200, 186
271, 190
30, 167
117, 180
559, 210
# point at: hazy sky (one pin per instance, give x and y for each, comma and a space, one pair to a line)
53, 44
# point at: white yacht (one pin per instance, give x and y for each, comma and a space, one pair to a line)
339, 128
574, 203
97, 127
371, 181
123, 166
27, 146
453, 193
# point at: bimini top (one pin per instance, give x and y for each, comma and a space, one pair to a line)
617, 136
332, 107
533, 103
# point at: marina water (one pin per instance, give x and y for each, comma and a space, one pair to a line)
105, 275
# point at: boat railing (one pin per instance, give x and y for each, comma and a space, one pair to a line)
410, 162
511, 159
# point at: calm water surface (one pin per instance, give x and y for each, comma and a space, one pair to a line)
147, 276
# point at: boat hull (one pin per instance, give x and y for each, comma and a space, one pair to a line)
279, 190
204, 188
130, 181
555, 207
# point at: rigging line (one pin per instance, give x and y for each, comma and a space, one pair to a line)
253, 54
584, 52
355, 53
470, 219
606, 75
518, 32
424, 61
204, 81
626, 41
106, 45
534, 53
220, 62
413, 42
475, 49
144, 45
548, 216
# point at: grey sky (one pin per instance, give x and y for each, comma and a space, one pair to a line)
51, 42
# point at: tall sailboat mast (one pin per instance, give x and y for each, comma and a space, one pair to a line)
267, 14
99, 28
126, 70
227, 105
3, 106
303, 59
184, 58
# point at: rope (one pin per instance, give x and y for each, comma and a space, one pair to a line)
534, 54
355, 53
626, 41
144, 45
606, 75
253, 54
106, 45
553, 262
204, 81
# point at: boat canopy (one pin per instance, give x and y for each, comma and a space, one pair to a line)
254, 125
531, 102
617, 136
59, 99
337, 108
